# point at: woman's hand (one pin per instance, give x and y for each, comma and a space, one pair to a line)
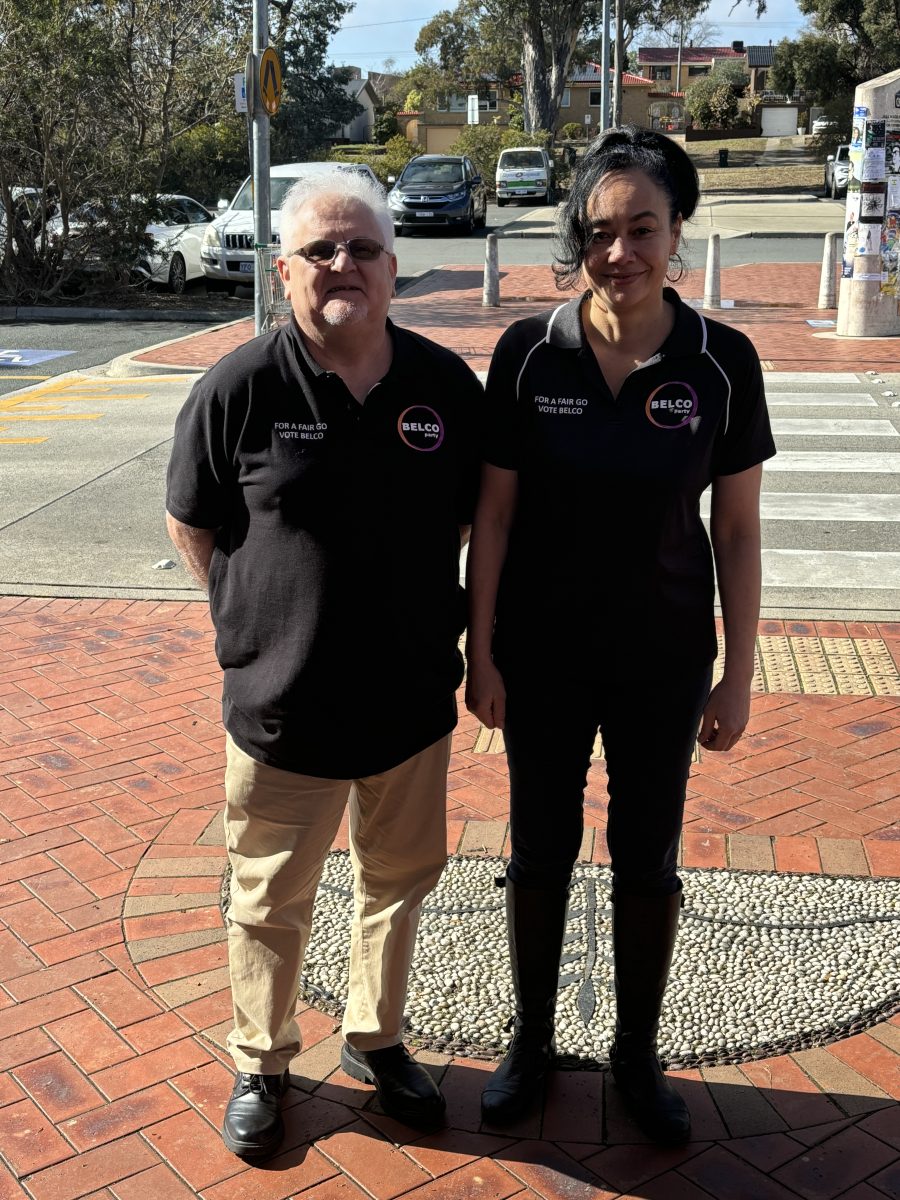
486, 693
725, 716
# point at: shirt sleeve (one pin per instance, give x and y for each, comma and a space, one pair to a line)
746, 439
199, 478
501, 442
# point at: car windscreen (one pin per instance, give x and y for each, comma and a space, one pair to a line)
278, 189
433, 172
520, 160
843, 154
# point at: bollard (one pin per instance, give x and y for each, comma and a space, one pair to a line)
490, 297
712, 287
827, 285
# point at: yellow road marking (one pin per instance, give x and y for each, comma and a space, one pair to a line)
49, 417
21, 441
25, 377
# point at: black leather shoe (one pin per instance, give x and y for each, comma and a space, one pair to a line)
516, 1084
650, 1097
253, 1127
405, 1089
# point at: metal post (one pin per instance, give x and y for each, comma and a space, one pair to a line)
490, 296
604, 70
827, 285
712, 287
262, 228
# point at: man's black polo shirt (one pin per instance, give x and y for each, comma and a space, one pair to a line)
334, 583
608, 554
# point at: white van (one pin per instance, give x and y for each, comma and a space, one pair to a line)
524, 172
227, 255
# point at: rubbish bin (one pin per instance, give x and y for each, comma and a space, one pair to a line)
723, 157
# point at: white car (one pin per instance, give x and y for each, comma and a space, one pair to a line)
177, 234
524, 172
227, 253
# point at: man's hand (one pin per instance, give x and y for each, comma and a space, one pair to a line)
725, 716
486, 694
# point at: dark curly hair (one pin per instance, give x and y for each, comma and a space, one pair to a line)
624, 149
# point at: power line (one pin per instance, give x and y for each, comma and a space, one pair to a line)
377, 24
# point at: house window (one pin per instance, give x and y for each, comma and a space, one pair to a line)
660, 72
698, 70
594, 98
487, 100
452, 103
566, 101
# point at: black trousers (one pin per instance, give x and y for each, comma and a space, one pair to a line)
649, 727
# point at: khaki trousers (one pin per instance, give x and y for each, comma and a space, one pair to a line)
279, 827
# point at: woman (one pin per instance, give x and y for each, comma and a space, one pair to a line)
591, 584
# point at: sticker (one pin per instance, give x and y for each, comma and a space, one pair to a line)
875, 134
893, 192
869, 240
856, 137
854, 171
871, 204
868, 277
892, 148
821, 324
29, 358
851, 233
890, 246
873, 164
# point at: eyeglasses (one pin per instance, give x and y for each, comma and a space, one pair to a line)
324, 251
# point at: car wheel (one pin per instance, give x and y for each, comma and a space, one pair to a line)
501, 202
398, 231
834, 190
469, 224
481, 223
177, 275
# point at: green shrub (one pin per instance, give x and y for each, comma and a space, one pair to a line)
571, 131
386, 160
385, 128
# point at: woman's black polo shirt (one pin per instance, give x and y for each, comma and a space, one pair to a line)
334, 583
607, 555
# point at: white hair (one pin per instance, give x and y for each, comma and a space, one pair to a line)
342, 183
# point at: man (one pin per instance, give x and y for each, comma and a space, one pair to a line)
319, 478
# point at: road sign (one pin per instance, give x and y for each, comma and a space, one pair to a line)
472, 109
240, 92
270, 81
587, 118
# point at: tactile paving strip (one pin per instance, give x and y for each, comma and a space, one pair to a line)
810, 666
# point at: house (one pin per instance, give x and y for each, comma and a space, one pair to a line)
361, 128
438, 128
581, 97
660, 63
759, 63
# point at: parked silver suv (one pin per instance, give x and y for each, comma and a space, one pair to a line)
837, 172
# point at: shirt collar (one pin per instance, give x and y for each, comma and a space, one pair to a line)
314, 369
687, 335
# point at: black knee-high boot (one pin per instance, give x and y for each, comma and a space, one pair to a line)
644, 930
536, 922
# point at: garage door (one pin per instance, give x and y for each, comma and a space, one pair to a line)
779, 122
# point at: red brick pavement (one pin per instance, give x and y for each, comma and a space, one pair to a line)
773, 302
113, 984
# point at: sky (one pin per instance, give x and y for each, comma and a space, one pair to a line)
374, 31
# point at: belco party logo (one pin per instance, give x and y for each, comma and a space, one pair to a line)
421, 428
672, 405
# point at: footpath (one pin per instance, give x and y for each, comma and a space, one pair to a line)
114, 999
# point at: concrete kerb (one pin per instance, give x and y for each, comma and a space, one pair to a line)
124, 366
73, 313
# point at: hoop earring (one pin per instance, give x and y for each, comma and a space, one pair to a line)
677, 259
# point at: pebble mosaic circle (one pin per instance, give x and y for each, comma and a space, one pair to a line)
764, 964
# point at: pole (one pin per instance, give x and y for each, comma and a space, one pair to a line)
712, 287
677, 87
827, 287
490, 296
262, 204
604, 70
619, 61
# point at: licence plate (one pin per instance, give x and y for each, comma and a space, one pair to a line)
424, 214
247, 268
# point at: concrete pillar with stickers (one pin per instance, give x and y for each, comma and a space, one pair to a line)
869, 303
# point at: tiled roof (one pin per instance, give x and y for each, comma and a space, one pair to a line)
689, 54
760, 56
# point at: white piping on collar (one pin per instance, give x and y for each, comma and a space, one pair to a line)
545, 340
703, 350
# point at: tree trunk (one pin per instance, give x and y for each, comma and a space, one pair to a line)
536, 94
